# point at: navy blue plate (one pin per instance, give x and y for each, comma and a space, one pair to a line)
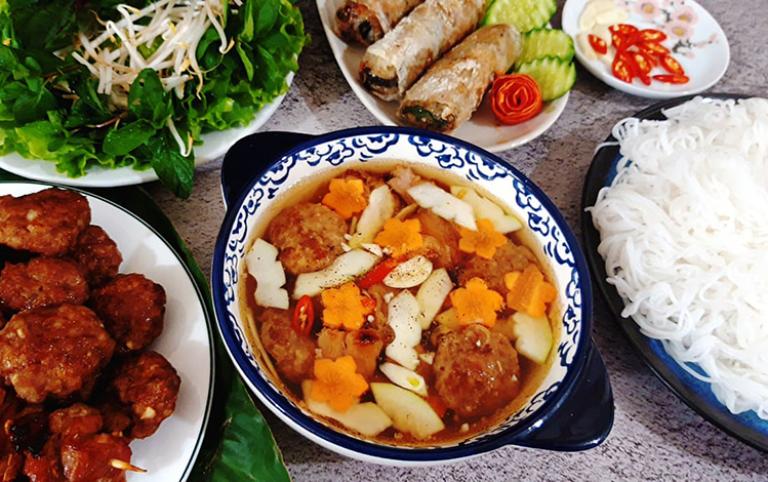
698, 395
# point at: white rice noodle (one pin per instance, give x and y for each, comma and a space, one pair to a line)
684, 235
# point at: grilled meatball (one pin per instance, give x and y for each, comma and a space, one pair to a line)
476, 371
149, 385
46, 222
46, 465
77, 419
116, 416
308, 235
10, 460
363, 345
92, 458
41, 283
294, 354
132, 308
509, 257
441, 239
97, 254
53, 351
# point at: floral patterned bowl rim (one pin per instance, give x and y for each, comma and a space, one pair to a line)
568, 397
698, 42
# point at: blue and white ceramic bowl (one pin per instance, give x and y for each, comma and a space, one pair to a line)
573, 408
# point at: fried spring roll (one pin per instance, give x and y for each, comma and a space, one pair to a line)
366, 21
452, 89
393, 64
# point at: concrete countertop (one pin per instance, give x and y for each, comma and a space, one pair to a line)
655, 436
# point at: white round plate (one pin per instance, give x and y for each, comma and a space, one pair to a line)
699, 44
215, 145
186, 341
481, 130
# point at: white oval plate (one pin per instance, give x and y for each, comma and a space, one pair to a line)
481, 130
703, 47
186, 341
215, 145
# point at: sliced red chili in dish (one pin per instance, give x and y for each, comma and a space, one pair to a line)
377, 274
623, 29
652, 35
653, 48
622, 67
303, 316
672, 78
643, 63
671, 65
598, 44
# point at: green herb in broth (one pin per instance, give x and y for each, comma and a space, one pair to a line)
531, 374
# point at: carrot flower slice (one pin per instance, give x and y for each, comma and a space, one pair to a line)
475, 303
515, 98
482, 242
337, 383
343, 307
346, 197
400, 237
529, 292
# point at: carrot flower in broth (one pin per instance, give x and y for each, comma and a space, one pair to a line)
400, 237
346, 197
344, 307
476, 303
337, 383
482, 242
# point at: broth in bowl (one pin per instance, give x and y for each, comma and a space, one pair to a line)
399, 305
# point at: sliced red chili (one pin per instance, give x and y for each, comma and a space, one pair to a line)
377, 274
598, 44
622, 67
652, 35
303, 316
644, 78
653, 48
671, 65
623, 29
643, 63
672, 78
623, 42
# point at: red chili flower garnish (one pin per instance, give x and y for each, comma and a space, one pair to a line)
515, 98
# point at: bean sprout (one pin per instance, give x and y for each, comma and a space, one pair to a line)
163, 36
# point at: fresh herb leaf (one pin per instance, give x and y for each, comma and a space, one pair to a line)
50, 108
148, 99
122, 140
174, 170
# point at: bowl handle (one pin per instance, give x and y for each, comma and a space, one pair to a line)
584, 419
251, 156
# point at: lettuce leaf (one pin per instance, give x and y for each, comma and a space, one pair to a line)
50, 108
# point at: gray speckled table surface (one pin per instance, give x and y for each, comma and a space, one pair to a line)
655, 436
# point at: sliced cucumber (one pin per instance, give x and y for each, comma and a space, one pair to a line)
546, 42
554, 76
525, 15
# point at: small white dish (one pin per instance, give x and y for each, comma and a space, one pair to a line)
215, 145
481, 130
698, 43
186, 341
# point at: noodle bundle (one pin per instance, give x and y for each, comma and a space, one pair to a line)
684, 236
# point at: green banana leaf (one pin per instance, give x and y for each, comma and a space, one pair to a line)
238, 444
